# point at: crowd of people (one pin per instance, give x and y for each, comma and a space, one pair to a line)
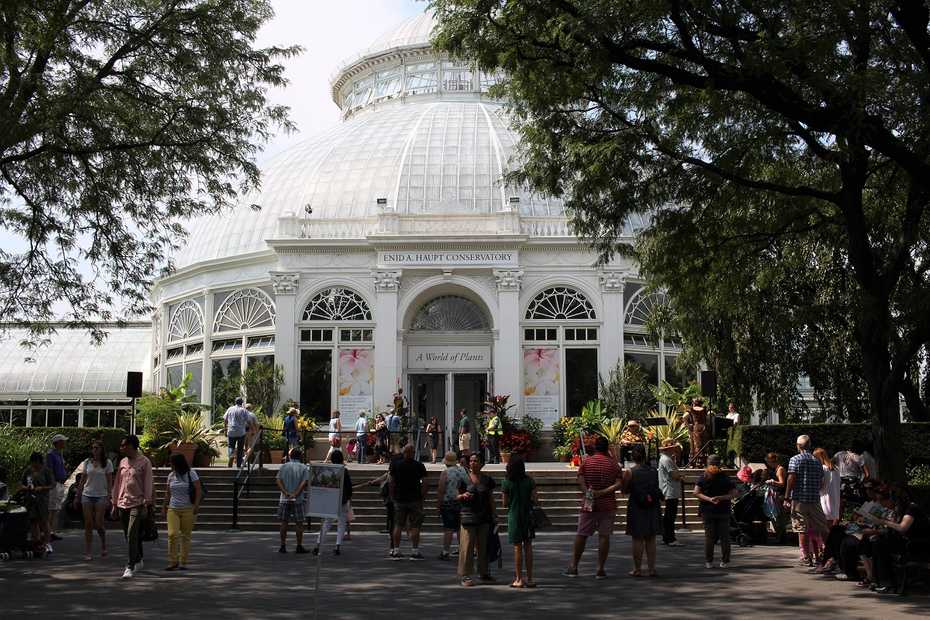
848, 523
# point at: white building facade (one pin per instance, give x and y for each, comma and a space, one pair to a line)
387, 254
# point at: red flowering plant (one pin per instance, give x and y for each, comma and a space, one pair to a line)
589, 441
516, 442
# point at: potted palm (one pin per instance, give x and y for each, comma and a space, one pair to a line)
188, 430
273, 437
611, 429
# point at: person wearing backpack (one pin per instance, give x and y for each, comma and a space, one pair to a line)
235, 425
183, 493
291, 434
641, 483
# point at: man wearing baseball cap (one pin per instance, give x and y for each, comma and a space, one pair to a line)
56, 497
670, 485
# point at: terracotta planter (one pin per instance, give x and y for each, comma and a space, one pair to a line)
187, 449
203, 460
505, 458
275, 456
565, 458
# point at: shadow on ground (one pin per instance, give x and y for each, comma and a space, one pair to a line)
242, 575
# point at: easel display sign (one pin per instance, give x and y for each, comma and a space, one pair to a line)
326, 491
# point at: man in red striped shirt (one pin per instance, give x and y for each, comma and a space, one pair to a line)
599, 478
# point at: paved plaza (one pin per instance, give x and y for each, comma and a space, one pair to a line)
239, 575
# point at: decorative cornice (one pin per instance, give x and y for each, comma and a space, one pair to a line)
386, 281
284, 283
508, 279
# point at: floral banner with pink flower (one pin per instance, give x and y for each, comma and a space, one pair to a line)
541, 378
356, 380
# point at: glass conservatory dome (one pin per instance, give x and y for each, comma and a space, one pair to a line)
420, 135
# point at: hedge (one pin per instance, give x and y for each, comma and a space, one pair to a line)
754, 442
77, 448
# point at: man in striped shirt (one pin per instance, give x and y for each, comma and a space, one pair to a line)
802, 496
599, 478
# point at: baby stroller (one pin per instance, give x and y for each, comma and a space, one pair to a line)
15, 529
748, 518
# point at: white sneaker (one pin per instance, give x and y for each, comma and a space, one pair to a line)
724, 565
48, 549
127, 574
708, 564
139, 566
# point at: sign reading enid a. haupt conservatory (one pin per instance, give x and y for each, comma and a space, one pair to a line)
451, 357
448, 258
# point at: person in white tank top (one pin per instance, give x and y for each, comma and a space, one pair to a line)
335, 439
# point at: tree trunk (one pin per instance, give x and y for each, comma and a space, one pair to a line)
916, 408
883, 393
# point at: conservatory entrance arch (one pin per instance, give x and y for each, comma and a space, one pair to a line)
447, 362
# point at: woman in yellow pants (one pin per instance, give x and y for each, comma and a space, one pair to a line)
181, 502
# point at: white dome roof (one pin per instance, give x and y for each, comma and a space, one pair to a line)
414, 31
426, 156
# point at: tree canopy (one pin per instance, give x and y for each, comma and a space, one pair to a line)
782, 147
118, 119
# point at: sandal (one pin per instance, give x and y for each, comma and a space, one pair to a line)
467, 582
517, 584
635, 573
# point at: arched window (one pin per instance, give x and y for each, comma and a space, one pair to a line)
642, 305
337, 304
248, 308
450, 313
560, 303
186, 322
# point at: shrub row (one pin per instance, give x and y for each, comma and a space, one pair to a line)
77, 448
754, 442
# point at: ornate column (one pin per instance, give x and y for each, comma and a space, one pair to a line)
611, 337
206, 373
285, 287
387, 360
507, 356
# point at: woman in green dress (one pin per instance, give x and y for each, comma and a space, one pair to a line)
519, 497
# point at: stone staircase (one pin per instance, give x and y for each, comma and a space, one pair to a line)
558, 494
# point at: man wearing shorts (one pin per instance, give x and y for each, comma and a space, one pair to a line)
235, 425
599, 478
408, 488
802, 495
292, 481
